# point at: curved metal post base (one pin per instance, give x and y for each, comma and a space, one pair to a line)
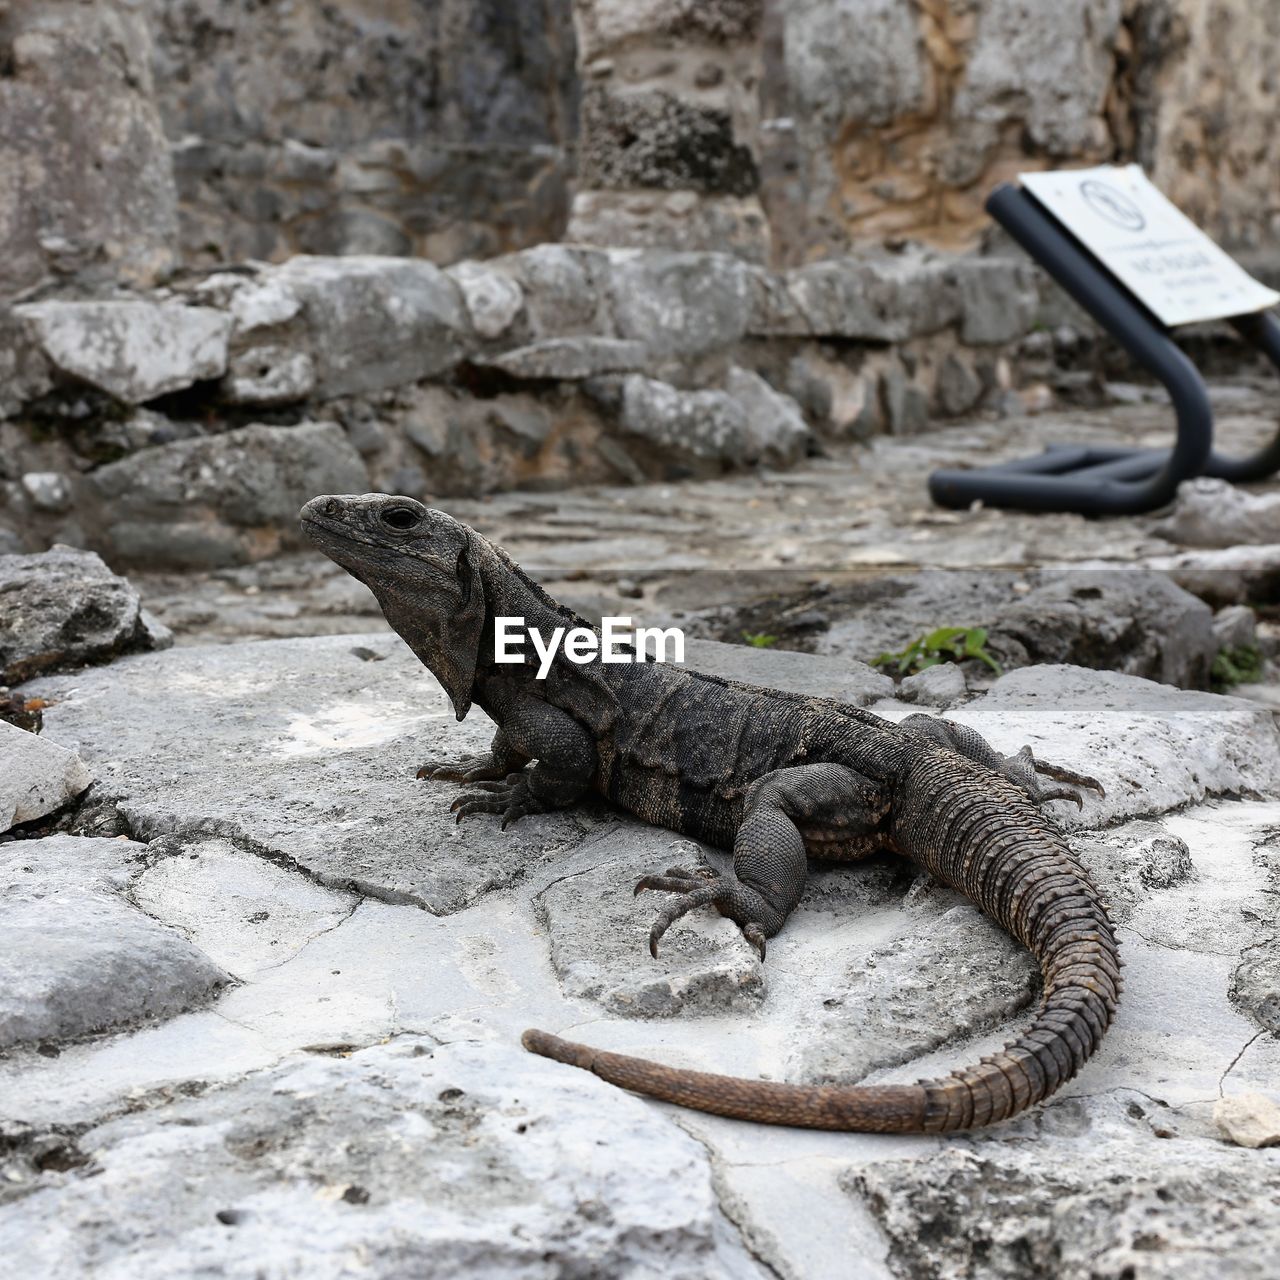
1109, 480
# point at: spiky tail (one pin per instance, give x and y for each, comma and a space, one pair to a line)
979, 835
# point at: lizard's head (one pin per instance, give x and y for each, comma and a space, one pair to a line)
425, 569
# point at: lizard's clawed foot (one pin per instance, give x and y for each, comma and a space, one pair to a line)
481, 768
1025, 770
698, 889
511, 798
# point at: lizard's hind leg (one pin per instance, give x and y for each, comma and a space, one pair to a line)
821, 802
1023, 769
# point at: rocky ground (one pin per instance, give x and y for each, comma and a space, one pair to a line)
260, 998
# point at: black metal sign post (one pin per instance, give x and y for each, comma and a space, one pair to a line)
1109, 480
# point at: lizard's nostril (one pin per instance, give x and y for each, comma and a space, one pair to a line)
332, 507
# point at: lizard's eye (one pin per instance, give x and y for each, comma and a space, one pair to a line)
400, 518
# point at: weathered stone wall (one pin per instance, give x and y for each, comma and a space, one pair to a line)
187, 426
803, 128
1206, 79
670, 115
86, 188
437, 128
449, 129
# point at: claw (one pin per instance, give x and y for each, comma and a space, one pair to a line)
672, 912
1068, 776
754, 934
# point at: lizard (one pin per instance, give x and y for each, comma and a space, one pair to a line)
774, 776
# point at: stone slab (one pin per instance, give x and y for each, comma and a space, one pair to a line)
414, 1158
36, 777
306, 751
134, 351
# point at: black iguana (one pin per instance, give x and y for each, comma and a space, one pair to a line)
774, 776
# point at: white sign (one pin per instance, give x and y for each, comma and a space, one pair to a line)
1148, 244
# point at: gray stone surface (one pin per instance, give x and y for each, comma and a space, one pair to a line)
679, 304
949, 977
134, 351
1152, 747
411, 1156
270, 374
841, 679
1255, 985
223, 499
1129, 862
1134, 621
376, 322
776, 430
1113, 1207
936, 686
77, 959
570, 358
267, 768
566, 289
1049, 71
86, 186
596, 933
699, 424
492, 298
318, 743
36, 777
1235, 627
247, 914
442, 133
882, 299
1215, 513
64, 608
48, 490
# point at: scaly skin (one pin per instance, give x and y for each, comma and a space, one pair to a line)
777, 777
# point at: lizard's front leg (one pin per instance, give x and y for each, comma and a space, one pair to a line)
499, 761
566, 763
827, 803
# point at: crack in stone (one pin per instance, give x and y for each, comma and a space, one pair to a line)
1172, 946
279, 964
146, 832
1248, 1044
731, 1206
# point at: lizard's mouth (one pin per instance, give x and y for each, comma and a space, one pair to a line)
333, 535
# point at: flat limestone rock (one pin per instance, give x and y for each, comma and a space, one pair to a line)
942, 979
64, 608
1153, 748
134, 351
417, 1159
246, 913
1128, 863
305, 751
1109, 1205
63, 863
36, 777
843, 679
600, 936
1249, 1119
1133, 621
75, 957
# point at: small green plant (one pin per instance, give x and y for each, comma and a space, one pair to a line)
946, 644
760, 639
1236, 666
